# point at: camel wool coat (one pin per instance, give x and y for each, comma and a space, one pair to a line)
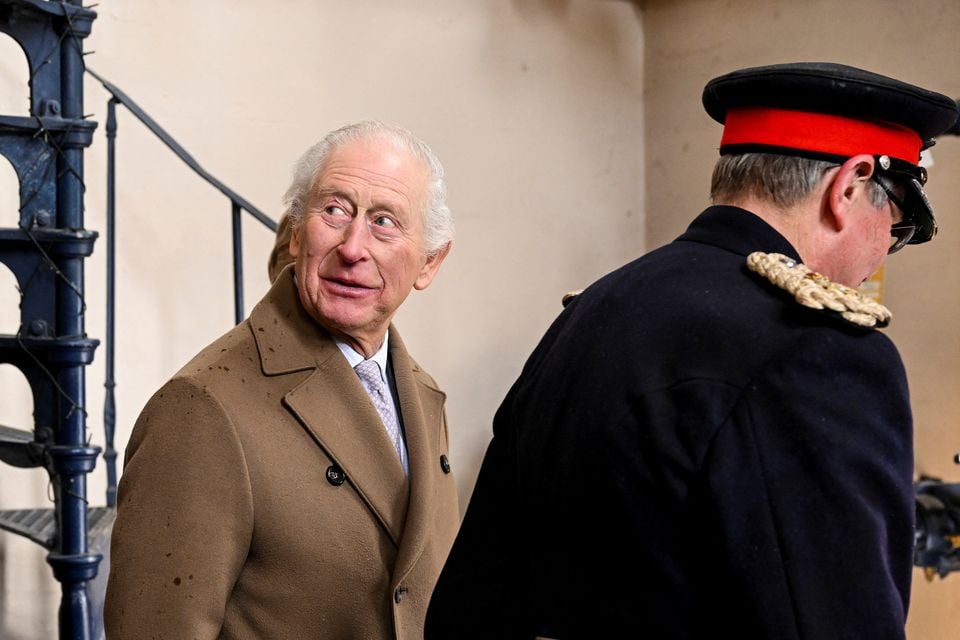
262, 498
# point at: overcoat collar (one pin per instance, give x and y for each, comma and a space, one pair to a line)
288, 338
332, 404
737, 230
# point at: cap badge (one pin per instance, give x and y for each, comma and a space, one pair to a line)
816, 291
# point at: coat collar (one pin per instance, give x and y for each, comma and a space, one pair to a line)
333, 406
288, 338
737, 230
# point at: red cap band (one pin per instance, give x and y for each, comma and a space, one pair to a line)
819, 132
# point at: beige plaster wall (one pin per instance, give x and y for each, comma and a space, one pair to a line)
535, 107
687, 42
573, 138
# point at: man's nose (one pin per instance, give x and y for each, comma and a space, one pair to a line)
353, 246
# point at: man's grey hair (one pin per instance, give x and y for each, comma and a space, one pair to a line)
782, 180
438, 226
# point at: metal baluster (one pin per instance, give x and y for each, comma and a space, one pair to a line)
109, 404
237, 264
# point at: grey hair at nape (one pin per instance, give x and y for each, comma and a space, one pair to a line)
781, 179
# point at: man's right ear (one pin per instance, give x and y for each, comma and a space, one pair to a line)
849, 184
294, 241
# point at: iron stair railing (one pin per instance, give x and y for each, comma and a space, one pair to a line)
237, 204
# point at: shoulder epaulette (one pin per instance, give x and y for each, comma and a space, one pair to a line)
816, 291
567, 297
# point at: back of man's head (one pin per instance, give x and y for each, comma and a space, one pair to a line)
782, 180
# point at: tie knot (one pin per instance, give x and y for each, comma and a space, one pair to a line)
369, 372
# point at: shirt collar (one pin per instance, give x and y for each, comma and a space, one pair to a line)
380, 357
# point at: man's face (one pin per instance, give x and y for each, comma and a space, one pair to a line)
869, 253
359, 249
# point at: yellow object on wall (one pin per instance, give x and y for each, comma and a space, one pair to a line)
872, 287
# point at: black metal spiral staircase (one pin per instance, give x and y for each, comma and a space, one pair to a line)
45, 250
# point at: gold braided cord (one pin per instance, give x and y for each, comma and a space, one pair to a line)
816, 291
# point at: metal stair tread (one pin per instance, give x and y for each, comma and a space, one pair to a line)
58, 349
52, 8
33, 124
15, 436
40, 525
18, 448
46, 234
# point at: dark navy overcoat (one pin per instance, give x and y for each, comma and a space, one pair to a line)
690, 453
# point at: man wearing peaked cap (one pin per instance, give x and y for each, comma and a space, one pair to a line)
715, 440
832, 112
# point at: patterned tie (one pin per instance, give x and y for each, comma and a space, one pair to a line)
369, 373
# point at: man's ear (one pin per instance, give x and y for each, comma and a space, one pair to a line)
430, 267
294, 241
849, 184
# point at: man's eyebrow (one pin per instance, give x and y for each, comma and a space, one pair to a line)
380, 204
333, 191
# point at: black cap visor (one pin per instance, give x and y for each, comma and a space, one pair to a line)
914, 205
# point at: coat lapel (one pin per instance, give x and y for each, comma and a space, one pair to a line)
331, 402
333, 405
422, 406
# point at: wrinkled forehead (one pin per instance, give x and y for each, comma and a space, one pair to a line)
383, 151
374, 168
377, 154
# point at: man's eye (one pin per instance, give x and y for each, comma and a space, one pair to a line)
334, 210
384, 221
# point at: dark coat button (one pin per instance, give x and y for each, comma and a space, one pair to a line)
398, 594
335, 475
444, 463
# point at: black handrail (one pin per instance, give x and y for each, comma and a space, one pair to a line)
237, 204
182, 153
